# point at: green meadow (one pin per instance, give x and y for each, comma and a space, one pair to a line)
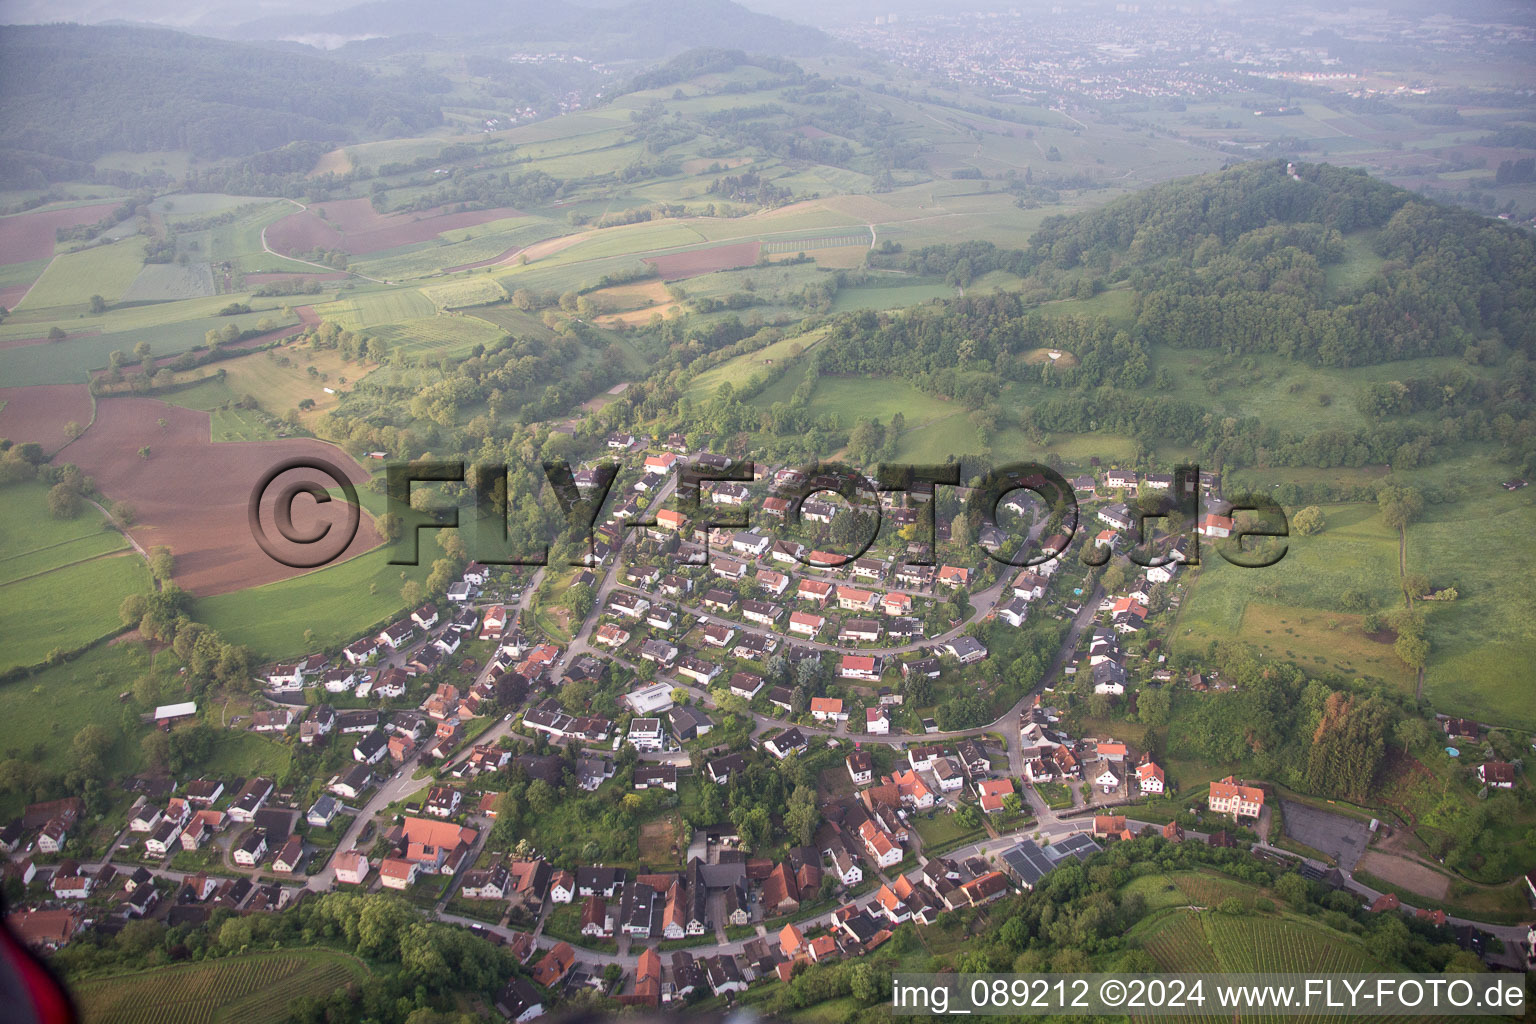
61, 581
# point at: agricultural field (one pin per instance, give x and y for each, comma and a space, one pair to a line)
71, 360
448, 335
71, 279
357, 227
476, 290
1357, 552
192, 495
362, 310
77, 569
169, 282
25, 237
237, 990
323, 608
82, 601
1212, 941
43, 414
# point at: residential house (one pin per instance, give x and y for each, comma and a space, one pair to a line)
966, 649
857, 631
861, 767
688, 723
1149, 777
788, 741
251, 798
646, 734
1212, 525
290, 856
858, 666
251, 850
720, 769
954, 576
1496, 774
806, 624
828, 709
1237, 799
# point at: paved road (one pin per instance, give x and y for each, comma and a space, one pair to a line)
403, 784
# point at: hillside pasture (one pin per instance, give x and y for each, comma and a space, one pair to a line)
508, 318
280, 379
227, 419
191, 205
73, 358
33, 542
740, 369
485, 245
237, 240
61, 580
335, 162
894, 296
1356, 553
66, 607
1482, 644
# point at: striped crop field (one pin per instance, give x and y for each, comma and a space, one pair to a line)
779, 247
253, 989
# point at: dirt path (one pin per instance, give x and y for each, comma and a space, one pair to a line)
1408, 874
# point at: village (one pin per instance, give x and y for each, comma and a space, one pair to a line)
708, 655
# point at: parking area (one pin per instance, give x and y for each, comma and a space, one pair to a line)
1342, 838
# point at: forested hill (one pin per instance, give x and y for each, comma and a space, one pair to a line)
1334, 270
637, 28
1239, 259
1330, 266
74, 92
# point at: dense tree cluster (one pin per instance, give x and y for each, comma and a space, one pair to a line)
76, 92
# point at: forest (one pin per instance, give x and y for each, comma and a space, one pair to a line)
73, 93
1235, 262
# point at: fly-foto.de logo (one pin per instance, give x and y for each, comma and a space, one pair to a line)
1027, 513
